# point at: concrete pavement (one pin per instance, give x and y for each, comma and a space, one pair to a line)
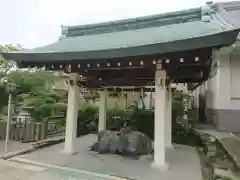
183, 162
20, 171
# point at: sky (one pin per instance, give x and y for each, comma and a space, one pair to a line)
33, 23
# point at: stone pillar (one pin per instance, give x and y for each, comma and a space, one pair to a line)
102, 110
168, 124
38, 132
72, 114
44, 129
159, 121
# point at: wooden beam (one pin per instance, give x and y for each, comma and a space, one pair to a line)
123, 89
116, 82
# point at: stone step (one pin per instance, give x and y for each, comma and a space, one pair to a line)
223, 164
221, 173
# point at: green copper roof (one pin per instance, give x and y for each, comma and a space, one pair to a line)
134, 23
165, 33
132, 38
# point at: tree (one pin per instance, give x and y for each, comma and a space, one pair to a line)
36, 90
32, 81
6, 66
3, 96
44, 104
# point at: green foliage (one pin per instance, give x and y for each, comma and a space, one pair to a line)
41, 111
59, 108
35, 90
3, 96
44, 104
114, 94
32, 81
115, 118
6, 66
177, 105
138, 119
181, 135
144, 122
87, 119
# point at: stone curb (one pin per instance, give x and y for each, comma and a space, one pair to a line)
17, 153
35, 146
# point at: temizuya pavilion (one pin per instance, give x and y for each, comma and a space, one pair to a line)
168, 48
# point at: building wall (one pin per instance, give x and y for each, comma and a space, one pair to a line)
235, 80
222, 91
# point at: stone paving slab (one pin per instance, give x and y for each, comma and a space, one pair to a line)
183, 161
232, 146
215, 133
229, 141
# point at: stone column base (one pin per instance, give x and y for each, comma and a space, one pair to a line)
67, 152
170, 146
163, 167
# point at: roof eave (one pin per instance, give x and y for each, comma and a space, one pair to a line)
221, 39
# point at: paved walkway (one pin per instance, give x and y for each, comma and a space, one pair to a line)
183, 160
19, 171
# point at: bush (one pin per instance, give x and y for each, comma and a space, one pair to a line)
87, 120
3, 96
138, 119
143, 121
116, 118
177, 105
181, 135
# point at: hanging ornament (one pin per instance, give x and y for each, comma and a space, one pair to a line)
122, 93
133, 92
151, 98
142, 92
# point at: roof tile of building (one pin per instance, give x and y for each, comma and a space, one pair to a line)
134, 23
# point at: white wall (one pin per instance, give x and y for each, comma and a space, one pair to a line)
222, 90
235, 75
229, 82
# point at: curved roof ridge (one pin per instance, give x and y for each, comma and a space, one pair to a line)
176, 17
221, 20
225, 9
